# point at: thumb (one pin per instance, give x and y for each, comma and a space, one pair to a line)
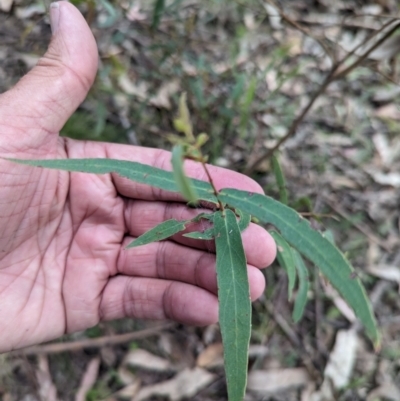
43, 100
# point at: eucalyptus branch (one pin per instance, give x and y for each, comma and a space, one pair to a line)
210, 180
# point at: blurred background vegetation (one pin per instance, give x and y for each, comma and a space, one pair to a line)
249, 67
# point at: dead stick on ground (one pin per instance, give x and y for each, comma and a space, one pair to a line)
91, 342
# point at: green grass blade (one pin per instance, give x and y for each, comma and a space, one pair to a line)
182, 181
158, 11
162, 231
234, 302
141, 173
285, 259
280, 179
304, 284
312, 245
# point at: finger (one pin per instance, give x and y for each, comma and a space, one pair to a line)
144, 298
44, 99
173, 262
141, 216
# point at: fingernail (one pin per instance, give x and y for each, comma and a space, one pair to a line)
54, 17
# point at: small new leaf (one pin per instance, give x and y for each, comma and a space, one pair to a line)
159, 232
234, 302
182, 123
182, 181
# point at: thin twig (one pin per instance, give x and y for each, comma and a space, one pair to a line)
364, 229
91, 342
332, 76
301, 28
221, 205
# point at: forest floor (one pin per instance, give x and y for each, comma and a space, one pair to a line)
249, 69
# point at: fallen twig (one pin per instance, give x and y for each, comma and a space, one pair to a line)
91, 342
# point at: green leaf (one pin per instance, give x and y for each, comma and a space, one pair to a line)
137, 172
158, 10
244, 219
162, 231
280, 179
312, 245
304, 283
234, 302
285, 259
209, 234
183, 123
183, 182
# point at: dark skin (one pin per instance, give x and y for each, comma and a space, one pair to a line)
63, 266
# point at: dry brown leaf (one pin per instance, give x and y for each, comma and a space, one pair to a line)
392, 179
211, 357
390, 111
130, 390
47, 390
185, 384
162, 98
139, 90
142, 359
273, 16
134, 13
342, 358
125, 376
388, 391
28, 12
387, 272
89, 379
5, 5
273, 381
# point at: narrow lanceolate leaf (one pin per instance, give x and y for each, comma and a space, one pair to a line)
304, 283
141, 173
285, 259
182, 181
162, 231
234, 302
280, 179
312, 245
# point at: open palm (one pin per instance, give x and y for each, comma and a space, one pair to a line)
63, 266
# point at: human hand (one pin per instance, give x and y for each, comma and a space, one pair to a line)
63, 266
